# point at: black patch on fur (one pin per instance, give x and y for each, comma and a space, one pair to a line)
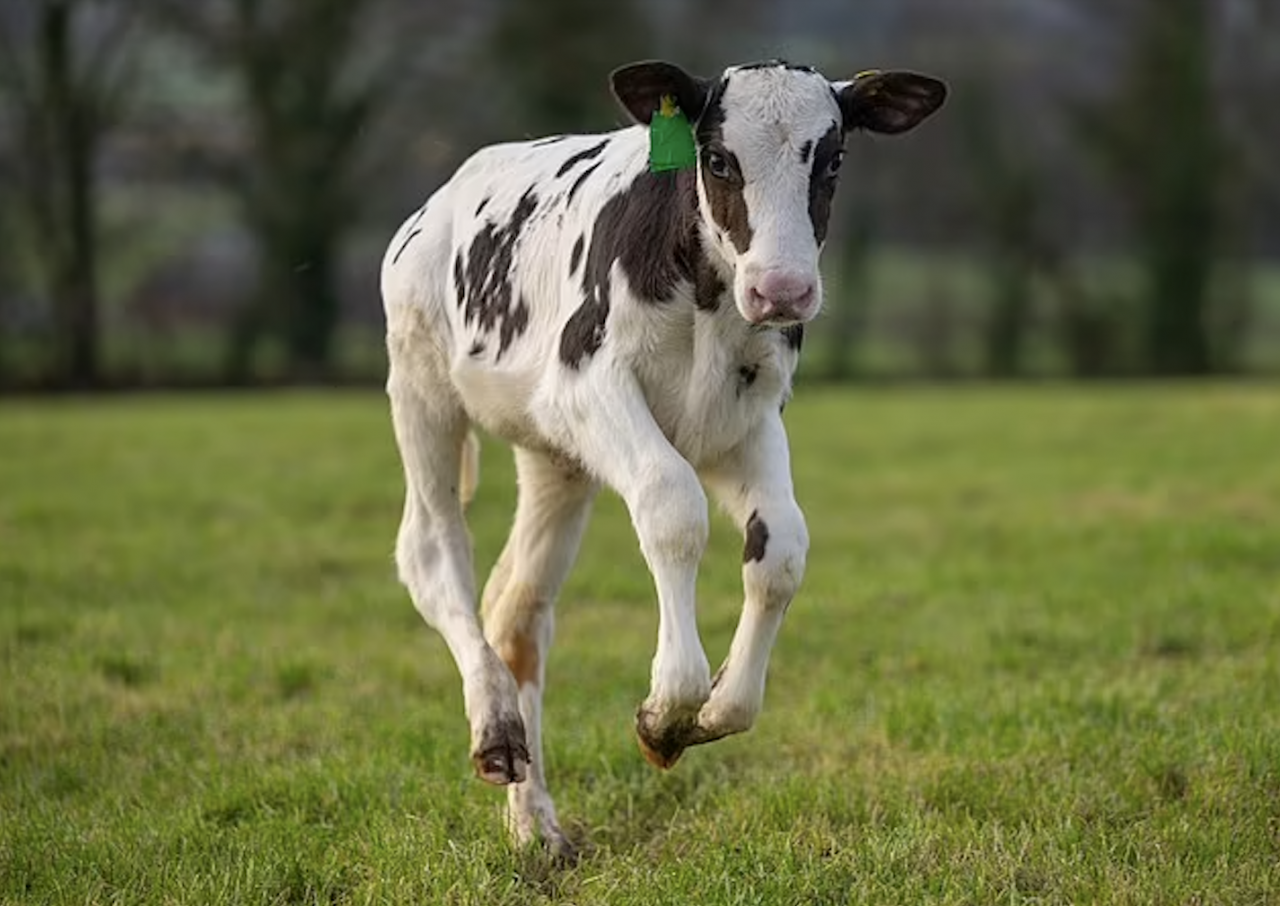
651, 231
794, 335
513, 325
575, 256
757, 539
593, 151
577, 183
805, 150
727, 203
480, 207
476, 350
822, 185
747, 376
708, 287
459, 279
583, 333
728, 207
710, 126
485, 287
405, 245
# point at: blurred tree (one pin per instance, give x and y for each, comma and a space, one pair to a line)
1006, 209
7, 268
1088, 325
1162, 143
315, 79
1251, 70
64, 76
704, 36
555, 57
850, 308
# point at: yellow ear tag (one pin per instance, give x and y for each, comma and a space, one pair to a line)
671, 145
866, 74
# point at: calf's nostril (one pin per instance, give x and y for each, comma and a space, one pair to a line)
784, 287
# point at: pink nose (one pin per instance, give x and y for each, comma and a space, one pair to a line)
780, 295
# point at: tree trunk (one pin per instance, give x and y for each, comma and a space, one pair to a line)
850, 311
1178, 210
73, 255
1007, 321
310, 329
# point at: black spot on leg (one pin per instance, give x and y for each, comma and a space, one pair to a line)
575, 256
757, 539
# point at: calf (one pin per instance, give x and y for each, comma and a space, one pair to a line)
629, 328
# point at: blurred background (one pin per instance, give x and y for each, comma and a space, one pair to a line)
198, 192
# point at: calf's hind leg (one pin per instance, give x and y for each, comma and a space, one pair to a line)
551, 515
433, 554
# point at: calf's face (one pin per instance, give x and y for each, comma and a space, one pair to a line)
770, 144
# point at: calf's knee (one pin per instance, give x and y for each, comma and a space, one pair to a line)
776, 543
669, 511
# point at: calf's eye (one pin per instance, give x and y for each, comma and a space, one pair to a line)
833, 168
717, 165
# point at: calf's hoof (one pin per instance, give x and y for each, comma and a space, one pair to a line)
663, 746
562, 852
502, 756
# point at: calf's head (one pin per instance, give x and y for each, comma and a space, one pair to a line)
770, 142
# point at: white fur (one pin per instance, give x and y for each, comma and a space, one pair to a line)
657, 413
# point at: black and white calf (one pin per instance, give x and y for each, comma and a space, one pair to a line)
625, 328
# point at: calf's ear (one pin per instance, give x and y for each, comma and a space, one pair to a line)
888, 102
639, 87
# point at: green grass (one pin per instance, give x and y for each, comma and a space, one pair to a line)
1034, 661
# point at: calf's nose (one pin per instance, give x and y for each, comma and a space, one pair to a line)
781, 295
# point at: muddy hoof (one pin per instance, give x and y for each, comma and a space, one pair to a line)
563, 853
662, 749
502, 757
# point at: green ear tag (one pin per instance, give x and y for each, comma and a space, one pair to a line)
670, 138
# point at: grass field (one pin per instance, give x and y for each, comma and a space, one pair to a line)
1036, 660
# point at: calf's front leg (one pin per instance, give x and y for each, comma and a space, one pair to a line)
616, 438
754, 486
